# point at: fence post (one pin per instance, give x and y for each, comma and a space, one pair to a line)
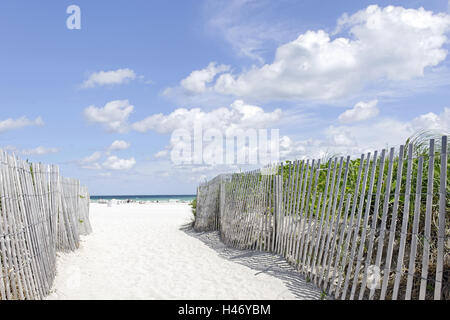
221, 201
442, 213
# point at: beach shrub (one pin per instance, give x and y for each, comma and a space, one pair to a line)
193, 204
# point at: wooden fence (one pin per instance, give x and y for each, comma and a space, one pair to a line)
40, 213
372, 228
207, 212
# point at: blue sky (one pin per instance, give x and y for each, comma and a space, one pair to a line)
223, 62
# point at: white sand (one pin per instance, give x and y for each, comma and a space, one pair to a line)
137, 251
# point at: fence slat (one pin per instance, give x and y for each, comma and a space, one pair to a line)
442, 212
415, 231
427, 231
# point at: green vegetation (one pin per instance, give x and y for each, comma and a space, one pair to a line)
420, 147
193, 204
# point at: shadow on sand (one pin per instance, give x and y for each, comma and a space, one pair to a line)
261, 262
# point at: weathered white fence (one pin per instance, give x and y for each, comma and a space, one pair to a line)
40, 213
207, 212
371, 228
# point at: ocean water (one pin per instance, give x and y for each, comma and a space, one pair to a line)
147, 198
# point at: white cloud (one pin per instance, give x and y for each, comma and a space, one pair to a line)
431, 121
113, 116
227, 120
161, 154
361, 111
93, 157
91, 161
197, 80
238, 116
119, 145
115, 163
348, 139
112, 162
39, 151
360, 138
383, 45
109, 77
11, 124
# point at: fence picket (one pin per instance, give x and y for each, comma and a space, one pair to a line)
427, 231
442, 213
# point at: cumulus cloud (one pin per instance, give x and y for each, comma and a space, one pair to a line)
102, 78
113, 116
238, 115
432, 121
387, 45
119, 145
357, 138
216, 125
115, 163
197, 80
11, 124
111, 162
361, 111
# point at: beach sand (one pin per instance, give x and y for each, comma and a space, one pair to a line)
145, 251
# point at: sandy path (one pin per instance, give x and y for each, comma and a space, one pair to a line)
139, 252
